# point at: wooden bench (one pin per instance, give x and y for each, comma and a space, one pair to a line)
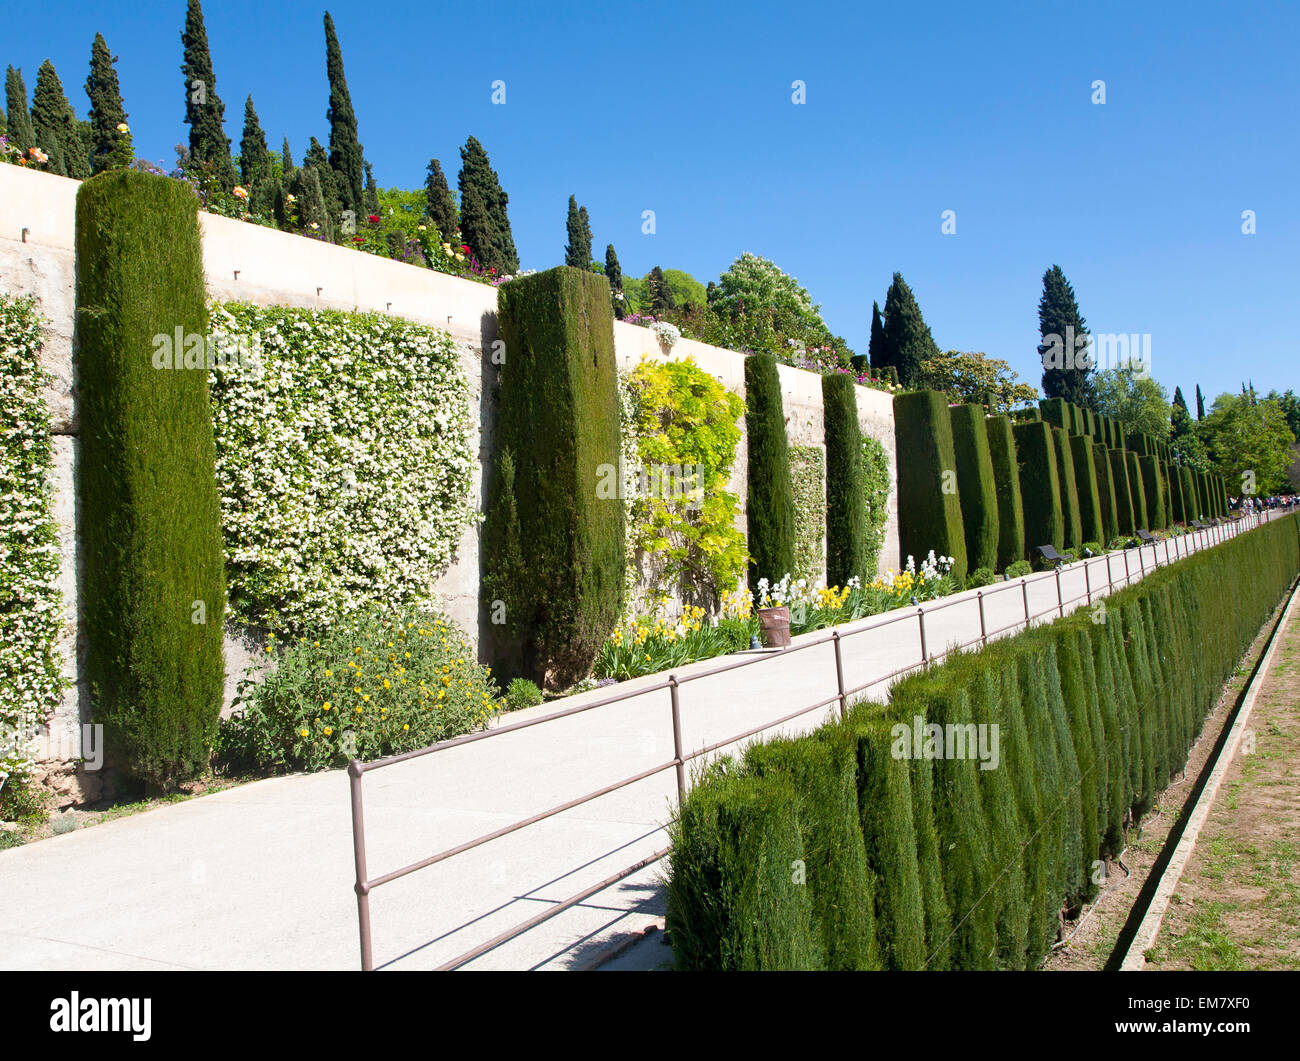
1049, 553
1146, 537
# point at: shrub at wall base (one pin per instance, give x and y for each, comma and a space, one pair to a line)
150, 521
559, 419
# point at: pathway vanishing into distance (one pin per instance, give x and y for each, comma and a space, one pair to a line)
261, 876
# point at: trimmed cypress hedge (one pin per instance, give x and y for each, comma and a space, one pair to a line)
1174, 489
975, 485
1137, 491
559, 419
1040, 486
770, 511
846, 507
1056, 411
1069, 489
1106, 492
149, 513
1085, 478
1006, 481
1155, 491
1093, 720
1187, 487
929, 513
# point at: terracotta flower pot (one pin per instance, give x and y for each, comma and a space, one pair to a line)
775, 625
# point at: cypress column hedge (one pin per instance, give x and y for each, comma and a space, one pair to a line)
558, 419
846, 507
1155, 492
1056, 411
975, 485
1106, 492
1125, 510
770, 509
1094, 719
929, 509
154, 591
1085, 477
1187, 486
1137, 491
1069, 488
1040, 485
1006, 481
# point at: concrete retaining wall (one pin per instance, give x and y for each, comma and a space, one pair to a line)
253, 264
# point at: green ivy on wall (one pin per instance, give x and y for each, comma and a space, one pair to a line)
808, 481
344, 461
875, 489
31, 606
686, 419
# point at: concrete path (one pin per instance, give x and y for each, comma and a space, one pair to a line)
260, 876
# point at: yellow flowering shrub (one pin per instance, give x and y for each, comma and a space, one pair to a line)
378, 683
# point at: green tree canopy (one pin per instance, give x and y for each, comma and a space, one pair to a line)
1248, 438
1137, 401
204, 111
908, 342
976, 378
1061, 326
345, 157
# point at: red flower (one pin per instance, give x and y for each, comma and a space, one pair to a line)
358, 239
465, 247
491, 270
373, 219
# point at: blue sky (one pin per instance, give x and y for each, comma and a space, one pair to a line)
685, 109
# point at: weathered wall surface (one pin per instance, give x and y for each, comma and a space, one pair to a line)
253, 264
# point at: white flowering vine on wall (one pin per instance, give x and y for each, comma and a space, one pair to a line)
344, 461
31, 606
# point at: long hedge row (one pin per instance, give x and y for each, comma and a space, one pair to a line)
929, 508
856, 847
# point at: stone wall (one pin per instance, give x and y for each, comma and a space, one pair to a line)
254, 264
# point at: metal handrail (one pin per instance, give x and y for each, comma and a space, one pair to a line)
1208, 536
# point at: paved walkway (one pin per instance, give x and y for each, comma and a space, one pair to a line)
260, 876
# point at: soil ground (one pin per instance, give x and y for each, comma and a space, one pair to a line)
1236, 906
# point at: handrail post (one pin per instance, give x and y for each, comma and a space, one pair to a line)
1087, 582
1128, 578
362, 886
1142, 562
979, 598
839, 674
925, 658
1060, 602
1024, 593
677, 739
1110, 577
1167, 551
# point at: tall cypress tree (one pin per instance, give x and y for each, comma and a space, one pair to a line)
876, 347
4, 125
331, 196
476, 171
1200, 404
661, 298
476, 227
107, 111
254, 158
21, 134
907, 338
1180, 420
345, 156
1061, 325
372, 193
205, 114
440, 206
53, 124
76, 146
614, 273
286, 159
578, 251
